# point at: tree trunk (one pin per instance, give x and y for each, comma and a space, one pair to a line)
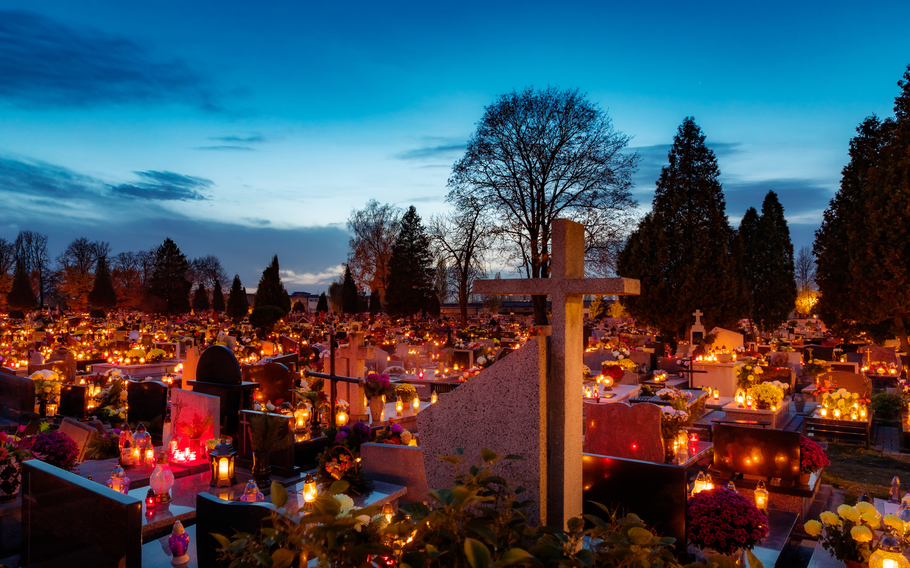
901, 329
540, 310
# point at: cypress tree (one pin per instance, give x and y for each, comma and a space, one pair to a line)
323, 304
217, 298
410, 269
168, 282
349, 295
237, 304
21, 295
201, 299
103, 295
752, 254
375, 303
271, 291
774, 292
684, 250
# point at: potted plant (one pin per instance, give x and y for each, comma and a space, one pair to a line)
724, 521
268, 433
374, 387
747, 375
55, 448
811, 459
13, 451
341, 462
766, 395
848, 535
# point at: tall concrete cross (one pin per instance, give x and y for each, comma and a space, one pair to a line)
566, 288
697, 314
356, 355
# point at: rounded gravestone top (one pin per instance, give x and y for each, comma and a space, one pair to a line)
217, 364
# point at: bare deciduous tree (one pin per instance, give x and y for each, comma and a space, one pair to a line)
540, 155
207, 270
7, 263
374, 230
805, 270
31, 250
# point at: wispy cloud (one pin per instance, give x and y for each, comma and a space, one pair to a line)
45, 180
239, 139
225, 147
46, 64
164, 186
432, 152
804, 200
327, 276
654, 158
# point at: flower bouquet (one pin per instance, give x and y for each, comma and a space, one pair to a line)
724, 521
613, 370
376, 385
394, 434
47, 385
814, 367
847, 535
405, 392
747, 374
342, 461
136, 356
56, 448
622, 352
811, 456
672, 421
766, 395
15, 447
678, 399
155, 356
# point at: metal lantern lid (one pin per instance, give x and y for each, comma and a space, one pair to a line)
118, 473
222, 450
889, 543
162, 458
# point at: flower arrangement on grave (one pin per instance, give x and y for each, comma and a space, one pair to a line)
394, 434
47, 385
672, 420
725, 521
110, 402
376, 385
405, 392
483, 361
841, 400
766, 395
155, 356
195, 429
849, 534
342, 461
785, 349
446, 528
15, 447
747, 375
814, 367
135, 356
621, 352
613, 370
102, 447
585, 372
55, 448
811, 456
883, 369
678, 399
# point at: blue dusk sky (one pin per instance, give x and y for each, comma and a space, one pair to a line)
246, 129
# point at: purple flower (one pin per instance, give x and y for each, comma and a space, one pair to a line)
116, 431
362, 428
396, 429
346, 429
340, 437
56, 448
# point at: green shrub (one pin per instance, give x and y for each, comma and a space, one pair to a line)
16, 314
886, 406
264, 317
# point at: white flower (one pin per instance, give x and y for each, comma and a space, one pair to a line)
616, 353
346, 503
362, 520
481, 360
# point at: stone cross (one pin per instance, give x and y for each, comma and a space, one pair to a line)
697, 314
566, 288
356, 355
697, 333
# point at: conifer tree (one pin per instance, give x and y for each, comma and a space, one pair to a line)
349, 294
375, 303
237, 304
770, 263
103, 295
201, 299
752, 253
684, 250
323, 304
168, 284
411, 282
217, 298
21, 295
271, 291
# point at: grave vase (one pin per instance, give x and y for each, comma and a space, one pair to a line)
799, 401
376, 408
262, 469
10, 479
669, 451
804, 478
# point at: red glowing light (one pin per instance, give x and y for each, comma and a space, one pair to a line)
634, 446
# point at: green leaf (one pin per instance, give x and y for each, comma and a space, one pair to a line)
282, 558
222, 540
477, 553
576, 524
339, 486
483, 530
514, 556
640, 536
279, 495
585, 556
754, 562
488, 455
263, 559
451, 459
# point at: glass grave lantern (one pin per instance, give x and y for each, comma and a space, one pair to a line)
251, 493
434, 398
301, 416
142, 441
221, 462
119, 481
888, 554
162, 480
761, 497
341, 418
309, 491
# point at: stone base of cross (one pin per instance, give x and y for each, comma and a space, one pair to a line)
566, 288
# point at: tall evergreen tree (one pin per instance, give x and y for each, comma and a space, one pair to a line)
237, 304
271, 291
201, 299
752, 253
21, 295
774, 287
103, 295
349, 294
217, 298
411, 282
375, 303
323, 304
862, 245
684, 251
169, 284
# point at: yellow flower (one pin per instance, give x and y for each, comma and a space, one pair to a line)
861, 534
751, 377
848, 513
871, 520
813, 528
865, 507
829, 519
894, 522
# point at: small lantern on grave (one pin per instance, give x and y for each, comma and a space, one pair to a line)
761, 496
309, 490
179, 543
863, 413
716, 394
51, 408
388, 511
162, 480
740, 398
119, 481
608, 382
854, 414
434, 398
221, 462
251, 493
888, 554
823, 412
126, 454
748, 401
399, 407
415, 404
142, 441
731, 487
709, 483
301, 416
